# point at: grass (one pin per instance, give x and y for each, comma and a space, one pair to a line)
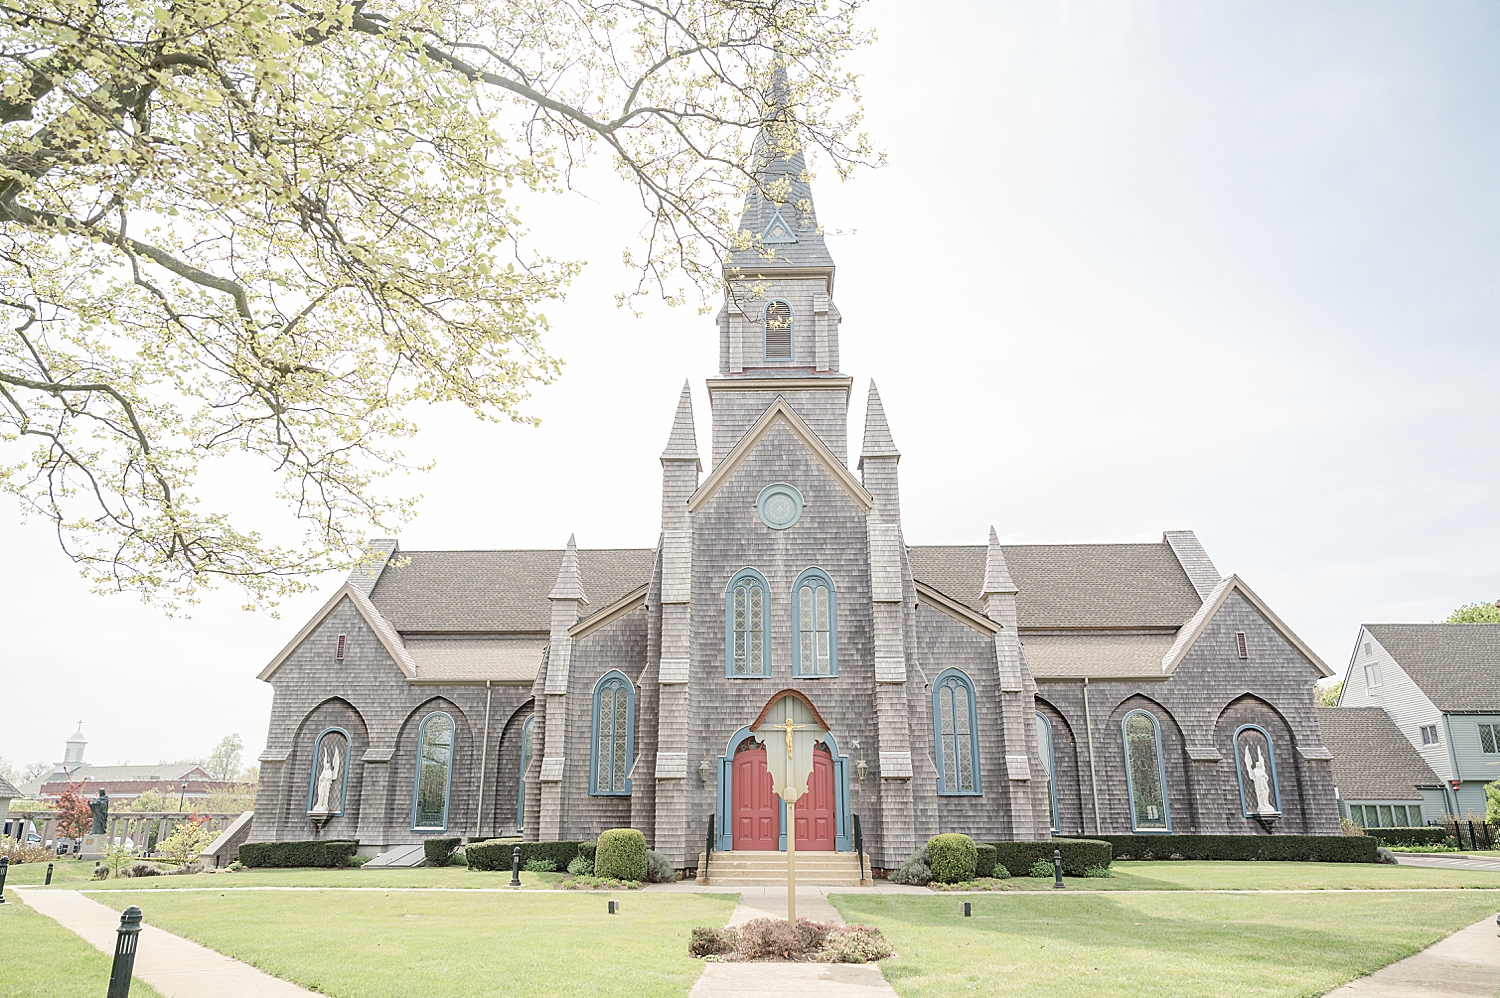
453, 945
1154, 945
40, 957
1185, 875
70, 872
447, 876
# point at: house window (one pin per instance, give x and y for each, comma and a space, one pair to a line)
1145, 773
434, 773
1372, 674
526, 729
1386, 815
956, 733
778, 331
614, 736
747, 627
814, 625
330, 773
1239, 644
1044, 749
1256, 762
1429, 734
1489, 738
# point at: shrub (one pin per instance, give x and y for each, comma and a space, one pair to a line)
19, 852
913, 871
1000, 872
581, 867
1308, 848
984, 861
354, 861
439, 851
1347, 827
708, 941
188, 839
494, 854
1427, 835
598, 883
1097, 872
1041, 869
237, 866
143, 870
540, 866
329, 852
854, 944
777, 939
951, 857
659, 869
1077, 854
1384, 855
460, 858
588, 849
621, 854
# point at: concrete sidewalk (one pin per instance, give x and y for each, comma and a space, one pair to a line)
1465, 965
1449, 861
170, 964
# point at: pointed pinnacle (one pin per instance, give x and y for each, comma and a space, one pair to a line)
569, 582
878, 441
682, 445
997, 578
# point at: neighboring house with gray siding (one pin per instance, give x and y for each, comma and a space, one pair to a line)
1440, 684
1381, 779
1006, 691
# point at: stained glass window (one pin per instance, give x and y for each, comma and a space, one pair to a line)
614, 718
956, 733
526, 732
815, 625
747, 652
1146, 773
434, 772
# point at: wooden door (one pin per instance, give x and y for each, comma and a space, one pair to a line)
817, 821
755, 806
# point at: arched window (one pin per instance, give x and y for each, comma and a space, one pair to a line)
526, 728
330, 773
1255, 761
815, 625
1044, 748
956, 733
1145, 773
778, 331
614, 736
747, 626
434, 773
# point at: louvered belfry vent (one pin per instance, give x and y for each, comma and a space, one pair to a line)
778, 331
1239, 644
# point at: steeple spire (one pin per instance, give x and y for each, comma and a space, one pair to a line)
682, 445
878, 442
569, 582
997, 580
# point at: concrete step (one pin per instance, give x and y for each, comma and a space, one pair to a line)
768, 869
401, 856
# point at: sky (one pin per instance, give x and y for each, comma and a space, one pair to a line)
1131, 267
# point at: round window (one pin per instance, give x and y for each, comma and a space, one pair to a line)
780, 506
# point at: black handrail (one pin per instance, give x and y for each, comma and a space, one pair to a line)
859, 847
709, 850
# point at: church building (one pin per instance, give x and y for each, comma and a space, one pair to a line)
1005, 691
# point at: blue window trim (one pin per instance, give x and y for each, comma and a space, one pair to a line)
765, 625
528, 726
937, 735
724, 821
1239, 768
779, 489
1161, 768
816, 574
416, 783
594, 790
1051, 761
312, 781
791, 331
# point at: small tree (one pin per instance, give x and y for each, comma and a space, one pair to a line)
1476, 613
187, 840
151, 799
224, 763
1328, 696
74, 819
239, 797
1492, 803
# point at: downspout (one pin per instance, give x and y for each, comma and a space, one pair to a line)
1088, 727
1453, 761
484, 755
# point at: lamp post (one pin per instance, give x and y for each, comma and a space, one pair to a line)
515, 867
1057, 884
182, 796
4, 868
125, 942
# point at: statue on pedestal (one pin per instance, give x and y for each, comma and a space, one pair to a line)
100, 806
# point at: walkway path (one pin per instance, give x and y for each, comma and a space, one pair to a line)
1465, 965
170, 964
1449, 861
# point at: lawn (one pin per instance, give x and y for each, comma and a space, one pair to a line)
450, 944
40, 957
71, 872
1155, 945
1184, 875
448, 876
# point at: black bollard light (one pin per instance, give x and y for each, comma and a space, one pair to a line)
967, 912
48, 881
515, 867
614, 907
4, 868
125, 940
1057, 883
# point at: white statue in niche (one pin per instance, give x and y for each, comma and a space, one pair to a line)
1260, 779
333, 759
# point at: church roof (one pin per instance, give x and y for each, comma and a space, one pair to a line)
454, 592
1070, 585
1372, 759
1456, 665
8, 790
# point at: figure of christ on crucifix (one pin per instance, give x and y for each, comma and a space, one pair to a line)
789, 788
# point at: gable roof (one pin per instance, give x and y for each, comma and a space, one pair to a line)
1372, 759
8, 790
382, 628
1194, 628
780, 412
1456, 665
1069, 585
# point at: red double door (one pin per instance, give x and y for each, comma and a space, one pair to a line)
755, 807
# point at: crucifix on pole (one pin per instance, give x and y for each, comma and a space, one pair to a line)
802, 729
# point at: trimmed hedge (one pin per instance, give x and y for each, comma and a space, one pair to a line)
1296, 848
621, 854
1077, 854
952, 858
329, 852
494, 854
439, 851
1427, 835
984, 859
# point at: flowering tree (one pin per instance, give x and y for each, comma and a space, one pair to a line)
266, 231
187, 839
74, 819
